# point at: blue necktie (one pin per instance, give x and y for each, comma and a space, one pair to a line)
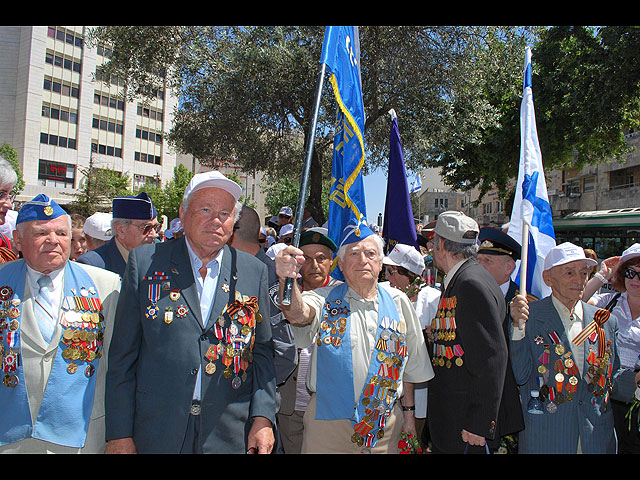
44, 310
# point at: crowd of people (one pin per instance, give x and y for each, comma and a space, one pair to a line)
119, 337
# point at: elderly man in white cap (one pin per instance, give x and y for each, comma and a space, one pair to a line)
469, 349
564, 356
57, 319
369, 351
97, 230
191, 369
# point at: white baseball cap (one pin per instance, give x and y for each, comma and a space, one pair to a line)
286, 211
285, 230
564, 253
631, 252
98, 226
215, 179
405, 256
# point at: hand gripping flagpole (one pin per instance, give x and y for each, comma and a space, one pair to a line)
288, 286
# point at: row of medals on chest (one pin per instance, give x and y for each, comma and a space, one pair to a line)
9, 312
565, 366
82, 337
227, 352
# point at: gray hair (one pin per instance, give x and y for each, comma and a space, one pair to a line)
119, 221
8, 175
464, 250
379, 244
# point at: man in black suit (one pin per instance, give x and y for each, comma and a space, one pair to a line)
469, 349
498, 253
191, 369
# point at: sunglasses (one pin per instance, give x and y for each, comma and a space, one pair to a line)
146, 229
631, 274
262, 240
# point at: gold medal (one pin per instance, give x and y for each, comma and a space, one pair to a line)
72, 368
210, 368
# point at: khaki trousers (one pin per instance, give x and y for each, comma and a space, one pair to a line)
334, 436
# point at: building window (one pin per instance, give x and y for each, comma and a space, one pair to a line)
56, 174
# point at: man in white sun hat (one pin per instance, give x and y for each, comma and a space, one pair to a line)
564, 353
192, 368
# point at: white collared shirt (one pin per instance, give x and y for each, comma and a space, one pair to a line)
206, 294
206, 286
573, 328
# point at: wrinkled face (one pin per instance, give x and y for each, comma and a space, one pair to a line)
317, 264
45, 244
209, 219
567, 281
6, 202
138, 232
499, 266
362, 262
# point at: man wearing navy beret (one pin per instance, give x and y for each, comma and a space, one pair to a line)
56, 321
134, 223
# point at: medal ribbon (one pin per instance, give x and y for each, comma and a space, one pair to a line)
599, 319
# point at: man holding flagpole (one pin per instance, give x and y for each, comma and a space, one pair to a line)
369, 351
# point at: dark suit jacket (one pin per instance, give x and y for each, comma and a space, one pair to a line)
153, 365
510, 419
106, 256
468, 396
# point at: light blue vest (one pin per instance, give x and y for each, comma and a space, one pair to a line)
334, 384
66, 407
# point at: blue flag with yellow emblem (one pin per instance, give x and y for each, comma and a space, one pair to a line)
347, 208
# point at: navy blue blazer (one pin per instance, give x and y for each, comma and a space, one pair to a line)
586, 415
106, 256
153, 364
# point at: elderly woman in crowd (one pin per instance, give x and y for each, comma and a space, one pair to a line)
623, 273
8, 179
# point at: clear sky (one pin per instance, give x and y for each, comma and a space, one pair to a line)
375, 191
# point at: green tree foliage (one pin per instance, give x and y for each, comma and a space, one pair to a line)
247, 92
98, 189
10, 155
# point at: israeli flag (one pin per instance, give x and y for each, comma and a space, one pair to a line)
417, 184
531, 204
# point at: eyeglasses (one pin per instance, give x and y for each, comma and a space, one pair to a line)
7, 196
146, 229
631, 274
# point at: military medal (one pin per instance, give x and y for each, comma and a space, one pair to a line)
174, 295
168, 315
152, 312
182, 311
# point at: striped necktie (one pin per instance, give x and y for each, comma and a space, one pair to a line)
44, 309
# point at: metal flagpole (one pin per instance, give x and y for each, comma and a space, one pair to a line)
286, 294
